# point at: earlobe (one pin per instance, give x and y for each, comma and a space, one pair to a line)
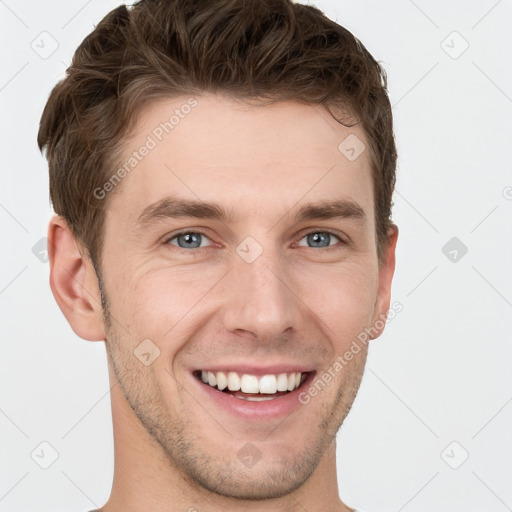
386, 271
73, 282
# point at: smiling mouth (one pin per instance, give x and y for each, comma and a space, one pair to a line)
251, 387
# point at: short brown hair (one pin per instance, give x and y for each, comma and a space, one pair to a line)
268, 50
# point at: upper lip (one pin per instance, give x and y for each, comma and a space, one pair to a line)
244, 368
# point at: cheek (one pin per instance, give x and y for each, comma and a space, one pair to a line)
165, 301
343, 299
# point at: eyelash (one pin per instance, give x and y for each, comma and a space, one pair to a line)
325, 249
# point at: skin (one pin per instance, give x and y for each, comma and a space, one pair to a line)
297, 302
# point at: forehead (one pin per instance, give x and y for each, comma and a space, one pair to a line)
260, 159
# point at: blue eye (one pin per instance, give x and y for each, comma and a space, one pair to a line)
188, 240
320, 239
196, 240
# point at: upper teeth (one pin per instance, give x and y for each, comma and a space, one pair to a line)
268, 384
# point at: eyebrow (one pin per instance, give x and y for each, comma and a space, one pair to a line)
171, 207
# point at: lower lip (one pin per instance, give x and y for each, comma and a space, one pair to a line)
277, 408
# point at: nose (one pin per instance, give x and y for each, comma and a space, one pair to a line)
260, 300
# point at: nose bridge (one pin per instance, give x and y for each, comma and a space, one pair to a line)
259, 299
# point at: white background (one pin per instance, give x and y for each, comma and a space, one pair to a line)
441, 371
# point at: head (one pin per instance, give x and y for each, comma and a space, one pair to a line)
222, 174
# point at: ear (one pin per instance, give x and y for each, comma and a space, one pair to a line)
73, 282
386, 271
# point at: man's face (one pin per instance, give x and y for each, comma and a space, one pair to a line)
260, 292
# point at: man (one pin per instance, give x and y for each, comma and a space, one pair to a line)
222, 175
